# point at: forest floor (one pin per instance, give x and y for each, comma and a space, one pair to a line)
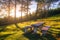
11, 32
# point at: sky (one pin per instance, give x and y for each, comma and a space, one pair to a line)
33, 7
54, 5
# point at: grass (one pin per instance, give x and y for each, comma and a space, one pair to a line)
11, 32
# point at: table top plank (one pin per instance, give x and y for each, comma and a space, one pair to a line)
37, 24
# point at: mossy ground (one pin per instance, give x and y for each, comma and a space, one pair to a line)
11, 32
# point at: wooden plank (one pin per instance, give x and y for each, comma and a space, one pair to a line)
37, 24
44, 30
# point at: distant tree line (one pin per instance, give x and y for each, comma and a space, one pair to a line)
45, 14
41, 11
54, 12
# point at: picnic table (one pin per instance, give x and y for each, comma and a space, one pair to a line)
34, 26
37, 25
43, 29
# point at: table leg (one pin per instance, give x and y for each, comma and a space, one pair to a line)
25, 30
31, 28
35, 30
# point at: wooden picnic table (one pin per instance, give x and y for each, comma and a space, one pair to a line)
40, 25
37, 25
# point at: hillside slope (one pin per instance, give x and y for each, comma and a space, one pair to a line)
11, 32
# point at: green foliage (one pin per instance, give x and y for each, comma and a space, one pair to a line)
54, 12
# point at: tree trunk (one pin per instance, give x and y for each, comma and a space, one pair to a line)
27, 9
9, 8
15, 12
36, 12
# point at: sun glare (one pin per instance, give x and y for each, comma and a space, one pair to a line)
18, 13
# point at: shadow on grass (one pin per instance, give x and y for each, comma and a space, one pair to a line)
18, 27
36, 36
2, 28
50, 37
58, 35
4, 36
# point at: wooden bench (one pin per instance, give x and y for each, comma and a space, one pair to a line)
26, 28
45, 29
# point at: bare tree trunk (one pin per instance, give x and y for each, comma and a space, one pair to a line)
27, 9
15, 17
15, 11
48, 8
45, 12
36, 12
9, 8
21, 10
